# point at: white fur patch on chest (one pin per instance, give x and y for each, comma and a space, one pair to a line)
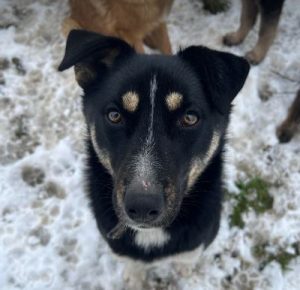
151, 238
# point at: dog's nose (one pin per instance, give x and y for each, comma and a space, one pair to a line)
143, 207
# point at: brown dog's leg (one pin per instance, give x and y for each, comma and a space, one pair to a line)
287, 129
159, 39
248, 18
267, 33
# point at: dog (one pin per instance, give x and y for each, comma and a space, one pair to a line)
286, 130
156, 132
135, 21
270, 11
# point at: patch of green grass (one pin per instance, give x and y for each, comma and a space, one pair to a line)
253, 195
282, 257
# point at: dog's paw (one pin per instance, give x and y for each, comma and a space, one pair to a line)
254, 57
231, 39
285, 132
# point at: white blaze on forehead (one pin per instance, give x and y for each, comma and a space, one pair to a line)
199, 164
173, 101
151, 238
102, 155
153, 89
144, 162
130, 101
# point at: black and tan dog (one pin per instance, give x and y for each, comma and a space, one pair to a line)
270, 11
156, 133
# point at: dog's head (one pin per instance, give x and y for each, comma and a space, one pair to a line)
155, 122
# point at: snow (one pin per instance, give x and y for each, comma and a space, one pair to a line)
48, 237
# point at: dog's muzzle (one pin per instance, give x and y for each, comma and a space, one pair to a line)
144, 202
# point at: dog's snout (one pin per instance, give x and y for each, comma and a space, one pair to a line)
142, 205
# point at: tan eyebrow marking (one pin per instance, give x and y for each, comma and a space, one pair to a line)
130, 101
173, 101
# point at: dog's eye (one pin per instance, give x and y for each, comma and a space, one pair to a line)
114, 117
189, 119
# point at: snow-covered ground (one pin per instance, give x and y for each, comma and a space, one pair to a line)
48, 237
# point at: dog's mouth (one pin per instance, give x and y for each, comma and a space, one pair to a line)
164, 220
120, 228
124, 224
140, 211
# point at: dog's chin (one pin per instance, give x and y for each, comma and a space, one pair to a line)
138, 227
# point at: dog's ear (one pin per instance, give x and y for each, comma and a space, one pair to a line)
221, 74
92, 55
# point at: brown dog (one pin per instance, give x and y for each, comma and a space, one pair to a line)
288, 127
135, 21
270, 11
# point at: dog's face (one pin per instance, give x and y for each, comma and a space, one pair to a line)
155, 122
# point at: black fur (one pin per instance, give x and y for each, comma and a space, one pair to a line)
271, 6
208, 80
195, 224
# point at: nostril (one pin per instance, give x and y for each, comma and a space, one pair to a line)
153, 213
132, 212
141, 207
